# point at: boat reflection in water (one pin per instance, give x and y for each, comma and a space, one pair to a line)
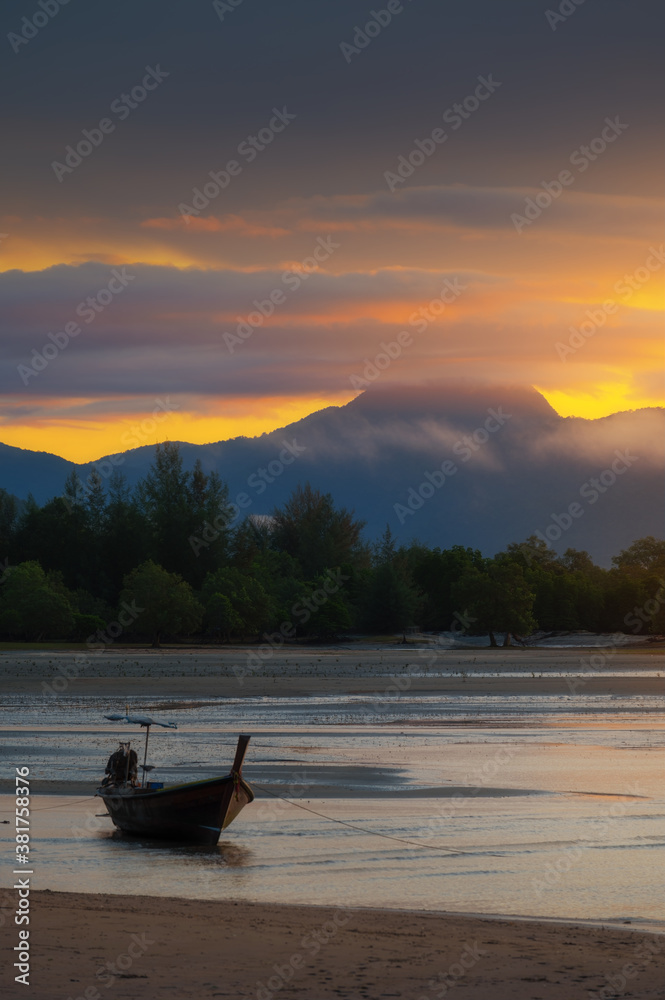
206, 857
195, 812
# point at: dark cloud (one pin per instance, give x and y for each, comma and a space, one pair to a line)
164, 307
491, 208
164, 331
353, 119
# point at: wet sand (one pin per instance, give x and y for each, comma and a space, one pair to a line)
95, 946
92, 946
301, 671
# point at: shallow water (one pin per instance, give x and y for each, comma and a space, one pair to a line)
547, 807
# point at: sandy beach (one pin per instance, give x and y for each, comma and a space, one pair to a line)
101, 944
95, 946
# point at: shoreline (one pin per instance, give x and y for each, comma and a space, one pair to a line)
239, 949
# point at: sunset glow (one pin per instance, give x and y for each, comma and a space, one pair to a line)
82, 439
255, 304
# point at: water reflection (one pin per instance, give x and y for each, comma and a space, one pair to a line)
224, 854
567, 791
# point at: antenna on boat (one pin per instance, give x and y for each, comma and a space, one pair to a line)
145, 754
141, 720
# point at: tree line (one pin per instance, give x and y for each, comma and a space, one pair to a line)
166, 560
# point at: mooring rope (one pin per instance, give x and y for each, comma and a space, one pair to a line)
58, 805
372, 833
315, 812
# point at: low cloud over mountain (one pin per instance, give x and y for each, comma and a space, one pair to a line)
447, 464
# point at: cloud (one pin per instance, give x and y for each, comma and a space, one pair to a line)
442, 207
491, 208
211, 224
169, 330
164, 307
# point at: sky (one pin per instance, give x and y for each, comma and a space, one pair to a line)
219, 217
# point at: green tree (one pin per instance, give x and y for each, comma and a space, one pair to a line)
162, 498
333, 616
187, 514
221, 616
126, 535
96, 502
58, 536
164, 601
210, 520
532, 554
434, 573
8, 524
578, 561
32, 607
497, 599
390, 602
250, 542
635, 599
646, 555
312, 530
251, 604
280, 576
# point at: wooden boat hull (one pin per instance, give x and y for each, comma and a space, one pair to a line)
195, 813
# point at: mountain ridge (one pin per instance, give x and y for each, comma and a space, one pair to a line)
517, 465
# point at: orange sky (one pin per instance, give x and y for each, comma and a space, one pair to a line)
344, 231
524, 296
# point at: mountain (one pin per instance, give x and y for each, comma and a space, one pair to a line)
446, 464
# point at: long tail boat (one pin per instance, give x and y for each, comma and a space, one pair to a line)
195, 812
